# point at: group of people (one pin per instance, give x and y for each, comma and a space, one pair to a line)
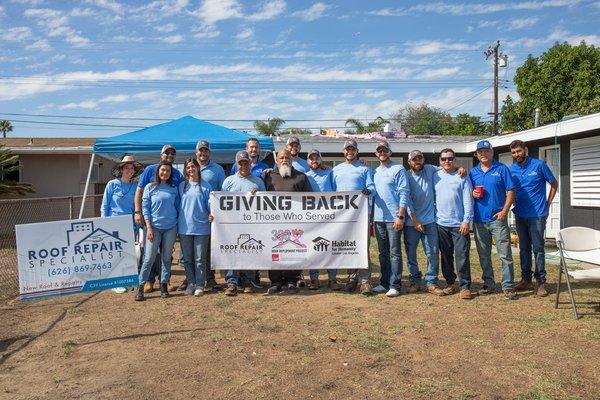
432, 205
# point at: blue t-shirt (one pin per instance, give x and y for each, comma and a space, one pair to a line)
194, 208
160, 205
214, 175
392, 187
355, 176
321, 180
453, 199
496, 181
530, 187
149, 175
301, 165
237, 183
256, 170
421, 199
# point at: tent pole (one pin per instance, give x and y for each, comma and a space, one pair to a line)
87, 183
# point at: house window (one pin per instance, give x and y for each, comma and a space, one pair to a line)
585, 172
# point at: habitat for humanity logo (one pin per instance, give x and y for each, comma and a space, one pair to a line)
288, 245
321, 244
347, 247
246, 244
84, 244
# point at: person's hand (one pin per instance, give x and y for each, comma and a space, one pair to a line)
464, 228
500, 215
139, 219
325, 167
253, 191
266, 172
366, 192
462, 172
398, 224
150, 233
211, 218
476, 194
418, 225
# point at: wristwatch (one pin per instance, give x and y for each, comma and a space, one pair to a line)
400, 217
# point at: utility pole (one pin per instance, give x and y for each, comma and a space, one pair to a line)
493, 51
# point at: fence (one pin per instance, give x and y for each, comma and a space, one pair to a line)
29, 211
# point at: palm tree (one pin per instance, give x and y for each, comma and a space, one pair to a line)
10, 163
5, 126
270, 127
374, 126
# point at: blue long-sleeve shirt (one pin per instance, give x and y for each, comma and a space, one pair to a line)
453, 199
421, 200
300, 164
213, 174
392, 188
237, 183
353, 176
160, 205
118, 198
321, 180
149, 176
194, 208
256, 169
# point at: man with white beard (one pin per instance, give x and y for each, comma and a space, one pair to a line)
285, 179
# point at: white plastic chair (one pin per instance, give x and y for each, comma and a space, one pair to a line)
580, 244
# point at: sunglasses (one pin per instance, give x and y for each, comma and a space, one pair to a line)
170, 152
447, 158
382, 149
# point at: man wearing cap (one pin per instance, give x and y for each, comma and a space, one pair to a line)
293, 146
454, 214
392, 188
421, 226
494, 194
214, 175
167, 153
285, 179
321, 180
242, 182
257, 167
350, 175
530, 176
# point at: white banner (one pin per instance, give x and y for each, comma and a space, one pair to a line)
283, 230
65, 257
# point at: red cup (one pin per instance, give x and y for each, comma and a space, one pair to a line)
479, 191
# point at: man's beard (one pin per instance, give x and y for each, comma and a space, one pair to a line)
285, 170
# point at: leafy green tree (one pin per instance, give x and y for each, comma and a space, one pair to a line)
296, 131
270, 127
5, 127
469, 125
9, 163
423, 119
563, 80
374, 126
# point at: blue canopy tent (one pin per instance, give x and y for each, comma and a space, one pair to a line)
183, 133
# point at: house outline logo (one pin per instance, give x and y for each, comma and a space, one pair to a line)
247, 241
84, 232
321, 244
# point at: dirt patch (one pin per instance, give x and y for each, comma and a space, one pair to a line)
319, 344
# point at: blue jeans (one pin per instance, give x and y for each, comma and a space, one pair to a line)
163, 239
531, 237
194, 249
484, 231
454, 249
390, 254
239, 278
155, 269
430, 246
331, 274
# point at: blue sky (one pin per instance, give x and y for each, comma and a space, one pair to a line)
234, 61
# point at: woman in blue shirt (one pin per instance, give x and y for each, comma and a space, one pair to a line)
119, 194
194, 226
160, 206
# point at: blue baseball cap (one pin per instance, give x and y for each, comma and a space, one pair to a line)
484, 144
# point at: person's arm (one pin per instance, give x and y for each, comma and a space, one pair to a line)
467, 207
510, 198
147, 212
552, 193
370, 183
403, 191
105, 207
220, 180
138, 218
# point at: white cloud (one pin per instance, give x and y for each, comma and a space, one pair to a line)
312, 13
41, 44
269, 10
432, 46
30, 2
56, 24
83, 12
166, 28
113, 6
16, 34
521, 23
206, 32
172, 39
213, 11
159, 9
438, 73
375, 93
244, 34
488, 24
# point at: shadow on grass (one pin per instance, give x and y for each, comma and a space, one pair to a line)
142, 335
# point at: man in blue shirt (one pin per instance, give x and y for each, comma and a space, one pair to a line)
494, 194
392, 188
421, 226
167, 153
321, 180
256, 166
350, 175
531, 210
214, 175
454, 214
293, 146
